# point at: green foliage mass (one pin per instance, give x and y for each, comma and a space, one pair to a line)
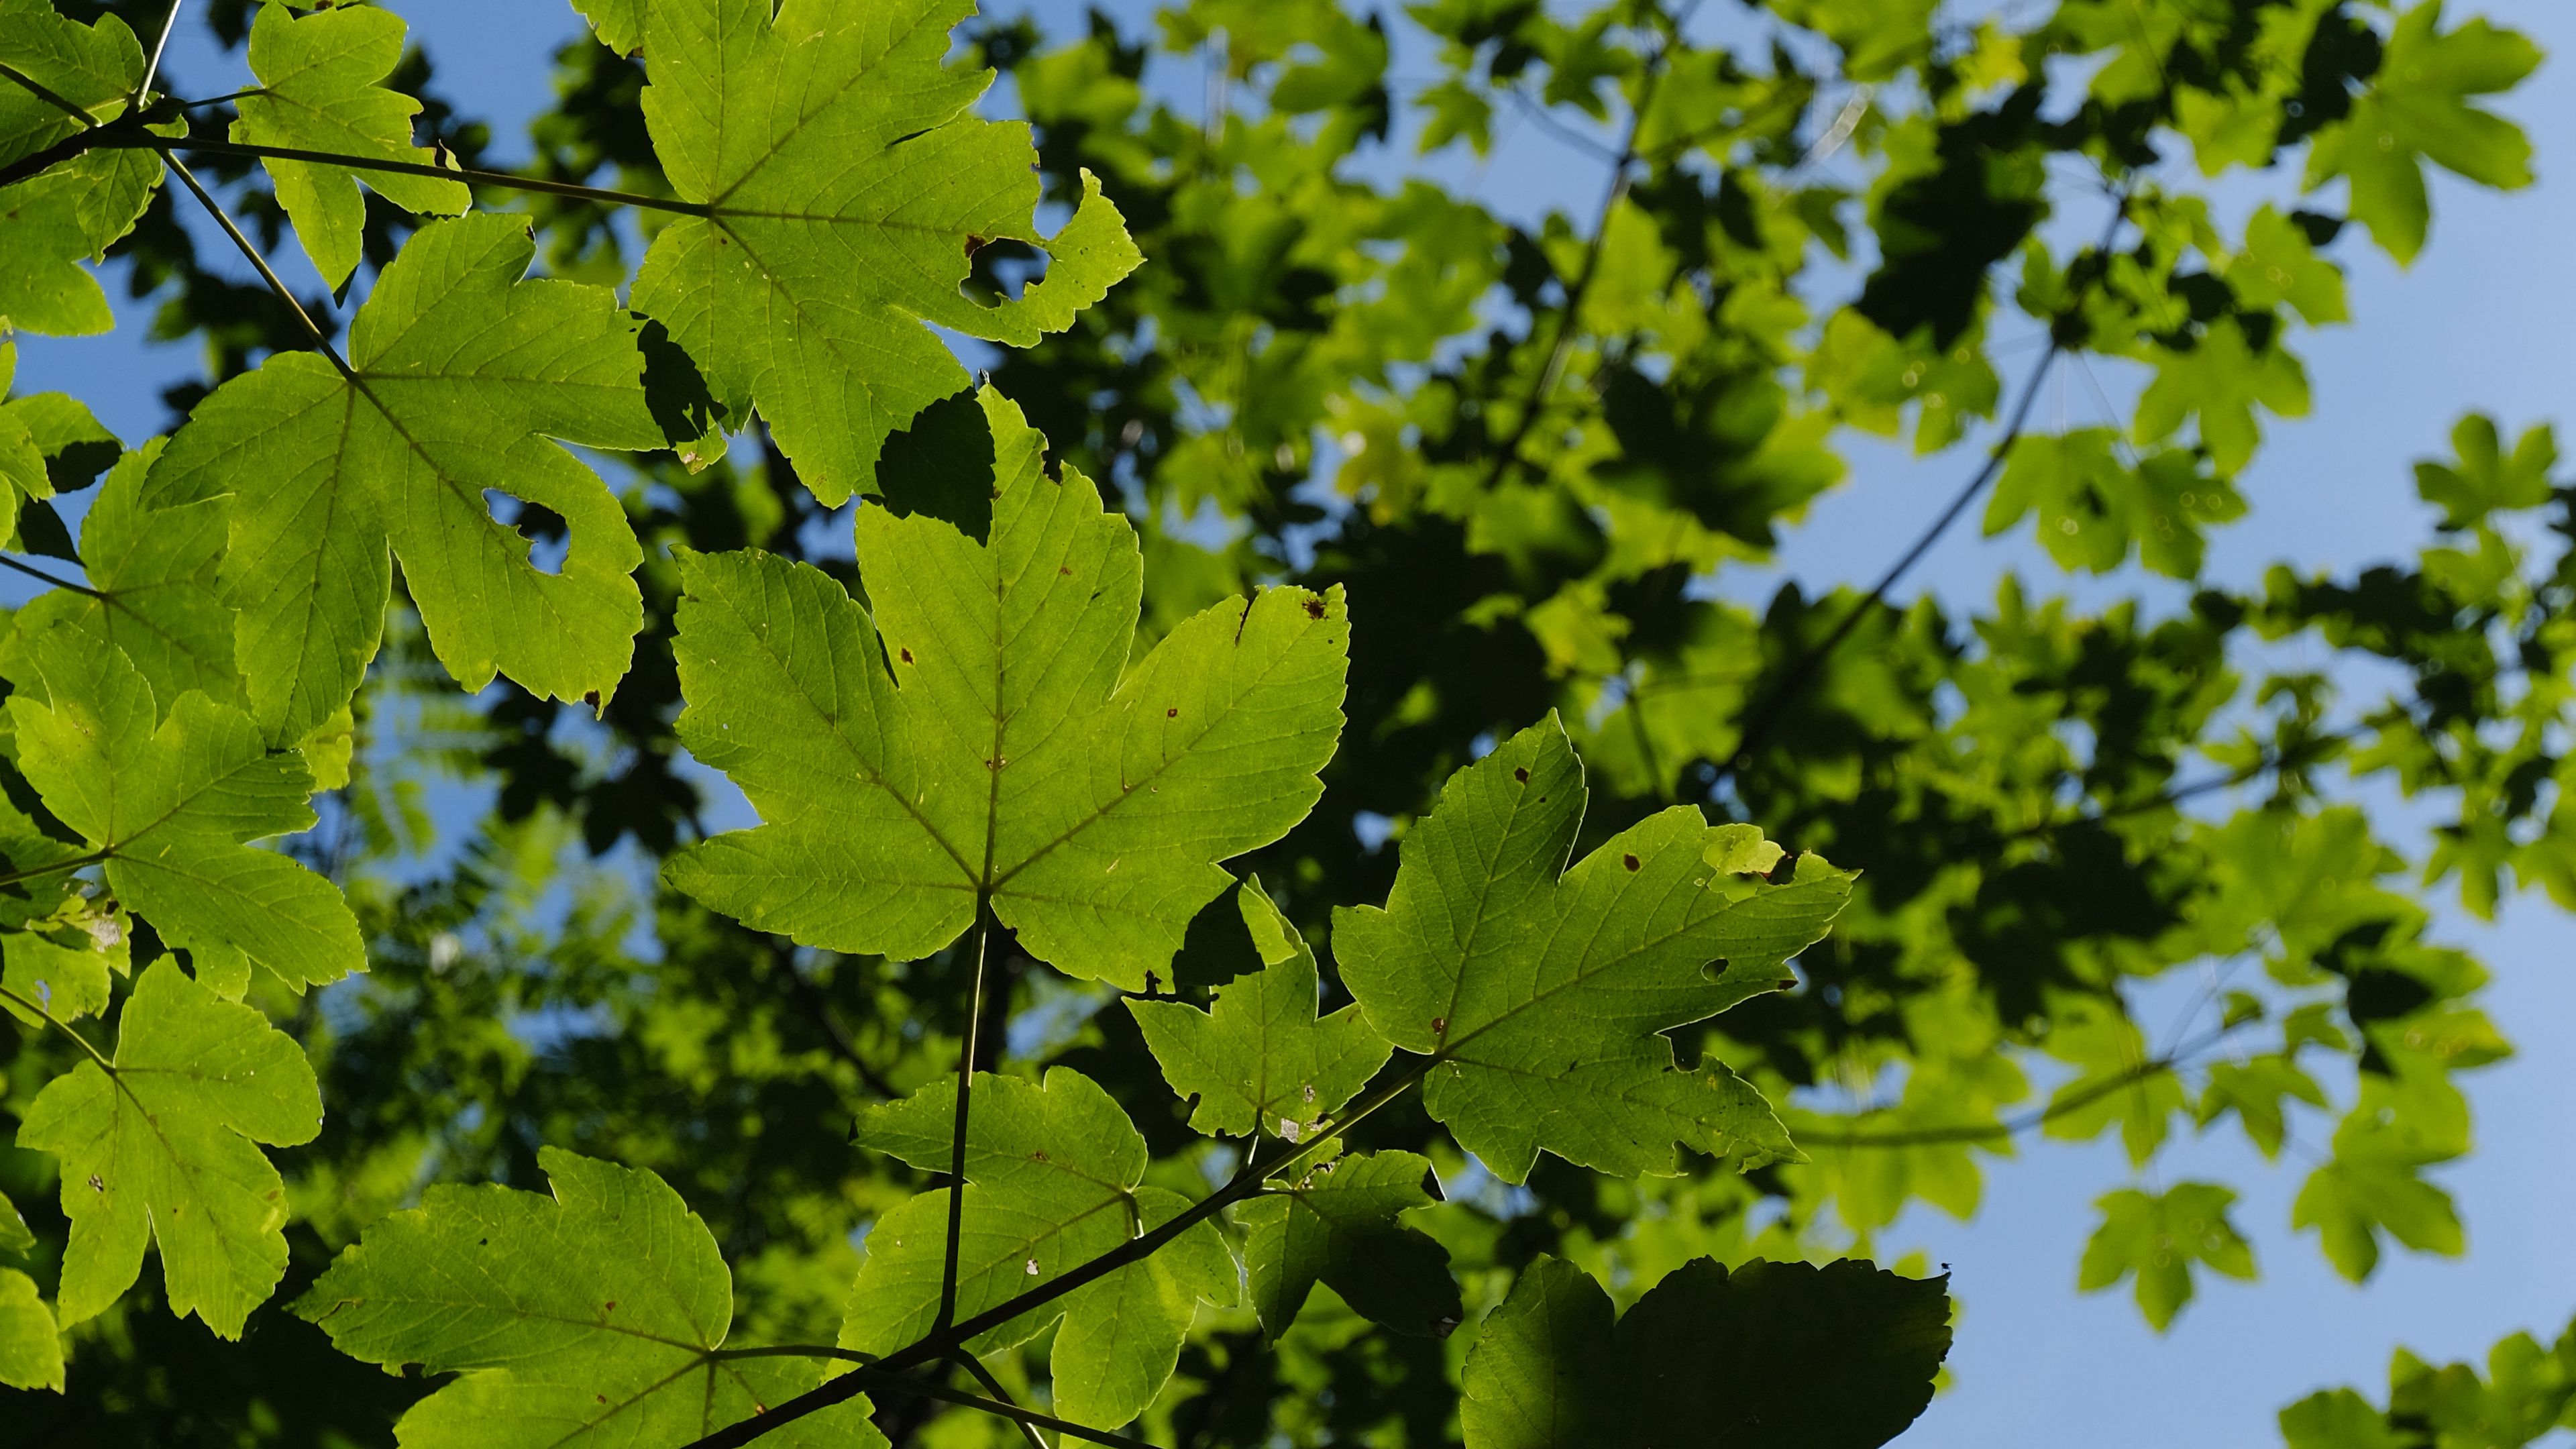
663, 736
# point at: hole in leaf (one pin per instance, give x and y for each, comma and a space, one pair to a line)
549, 537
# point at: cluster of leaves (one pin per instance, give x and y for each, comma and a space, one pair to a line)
993, 796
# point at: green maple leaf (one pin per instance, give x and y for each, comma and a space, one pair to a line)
463, 371
2222, 378
169, 804
596, 1316
1052, 1182
845, 189
1340, 1224
2157, 1238
975, 738
155, 593
2093, 509
619, 23
158, 1144
2487, 479
1257, 1059
2417, 110
1770, 1356
318, 91
1539, 997
51, 222
31, 1348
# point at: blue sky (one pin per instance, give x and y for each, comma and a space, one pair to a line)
2486, 321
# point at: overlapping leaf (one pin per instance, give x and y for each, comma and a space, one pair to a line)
160, 1145
1340, 1224
462, 373
31, 1349
1257, 1059
975, 737
596, 1316
318, 91
1770, 1356
1540, 996
51, 222
845, 189
168, 802
2157, 1237
1052, 1182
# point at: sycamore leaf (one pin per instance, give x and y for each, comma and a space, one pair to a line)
2093, 509
1339, 1223
1122, 1335
592, 1317
1770, 1356
2417, 110
2222, 378
1257, 1059
1052, 1174
159, 1145
975, 737
2486, 479
463, 371
318, 91
31, 1348
171, 804
50, 222
2158, 1238
2278, 265
155, 591
846, 188
1540, 997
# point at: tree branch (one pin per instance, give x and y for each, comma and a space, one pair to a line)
120, 136
33, 572
965, 1099
869, 1375
1802, 671
259, 263
29, 84
938, 1344
975, 1367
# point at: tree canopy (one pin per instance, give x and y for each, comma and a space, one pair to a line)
972, 728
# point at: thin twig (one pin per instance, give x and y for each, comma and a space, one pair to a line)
1995, 1131
120, 137
39, 872
259, 262
1245, 1183
48, 1017
152, 66
975, 1367
868, 1375
42, 93
965, 1099
1759, 722
33, 572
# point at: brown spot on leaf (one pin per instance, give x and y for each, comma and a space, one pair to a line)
1439, 1024
96, 1184
1520, 774
907, 655
1172, 713
1314, 608
1629, 860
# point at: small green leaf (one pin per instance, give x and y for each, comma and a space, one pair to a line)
976, 735
160, 1146
2158, 1238
2486, 479
1770, 1356
14, 1235
846, 190
31, 1348
618, 23
50, 223
2417, 110
1340, 1223
2222, 378
318, 91
1541, 997
591, 1318
1257, 1059
172, 808
463, 373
